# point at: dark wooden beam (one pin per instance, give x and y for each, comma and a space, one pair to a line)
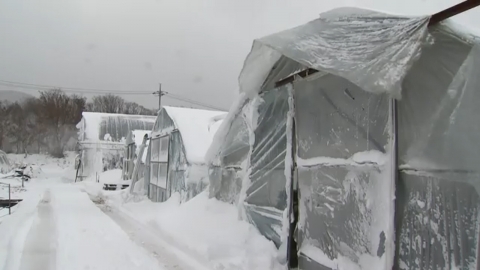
436, 18
304, 73
452, 11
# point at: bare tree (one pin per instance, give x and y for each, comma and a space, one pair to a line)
115, 104
58, 113
108, 104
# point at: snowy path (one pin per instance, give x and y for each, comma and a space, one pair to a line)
172, 257
68, 231
39, 250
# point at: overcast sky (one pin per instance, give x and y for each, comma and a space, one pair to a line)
195, 48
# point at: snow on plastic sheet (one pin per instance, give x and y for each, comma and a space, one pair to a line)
439, 221
370, 49
266, 197
344, 176
288, 168
438, 202
336, 119
197, 128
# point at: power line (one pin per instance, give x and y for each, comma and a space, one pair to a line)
78, 90
177, 97
48, 87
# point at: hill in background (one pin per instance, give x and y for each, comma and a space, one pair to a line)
14, 96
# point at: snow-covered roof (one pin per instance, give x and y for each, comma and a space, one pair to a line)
109, 126
197, 128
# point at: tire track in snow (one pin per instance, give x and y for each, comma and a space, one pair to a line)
168, 255
40, 249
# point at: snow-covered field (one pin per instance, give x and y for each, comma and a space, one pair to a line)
66, 225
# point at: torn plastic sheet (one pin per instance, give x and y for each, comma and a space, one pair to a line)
267, 177
371, 49
344, 176
227, 166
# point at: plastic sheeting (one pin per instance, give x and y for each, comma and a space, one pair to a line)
439, 148
227, 173
371, 49
345, 161
343, 204
266, 196
181, 176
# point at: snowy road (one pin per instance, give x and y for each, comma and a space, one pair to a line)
39, 250
68, 231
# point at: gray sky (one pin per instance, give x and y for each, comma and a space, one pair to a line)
196, 48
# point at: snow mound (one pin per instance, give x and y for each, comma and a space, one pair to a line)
207, 228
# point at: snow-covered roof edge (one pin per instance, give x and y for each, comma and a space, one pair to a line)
197, 128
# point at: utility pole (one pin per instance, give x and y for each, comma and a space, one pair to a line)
160, 93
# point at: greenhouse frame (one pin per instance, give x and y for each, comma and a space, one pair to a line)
354, 143
175, 158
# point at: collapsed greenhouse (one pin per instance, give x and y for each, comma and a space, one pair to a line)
354, 143
175, 158
101, 139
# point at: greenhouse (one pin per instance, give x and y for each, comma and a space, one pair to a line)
101, 139
175, 159
354, 143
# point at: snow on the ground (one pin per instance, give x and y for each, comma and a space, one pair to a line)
66, 225
57, 226
40, 168
88, 239
204, 228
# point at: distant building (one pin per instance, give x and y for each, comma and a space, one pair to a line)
101, 138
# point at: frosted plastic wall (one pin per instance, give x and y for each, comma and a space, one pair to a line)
439, 148
226, 177
343, 176
182, 175
177, 165
163, 122
266, 197
120, 127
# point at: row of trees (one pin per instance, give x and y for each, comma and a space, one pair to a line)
48, 123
